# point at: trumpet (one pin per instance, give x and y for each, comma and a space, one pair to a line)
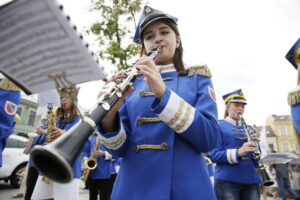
266, 180
55, 159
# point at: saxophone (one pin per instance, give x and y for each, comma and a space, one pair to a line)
51, 123
91, 163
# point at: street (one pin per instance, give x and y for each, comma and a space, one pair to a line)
6, 192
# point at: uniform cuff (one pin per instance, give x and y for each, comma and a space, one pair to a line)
232, 155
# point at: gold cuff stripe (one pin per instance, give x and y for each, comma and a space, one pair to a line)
294, 98
163, 146
177, 114
6, 84
184, 120
142, 120
116, 144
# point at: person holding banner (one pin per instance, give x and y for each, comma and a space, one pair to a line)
167, 121
66, 118
10, 96
293, 56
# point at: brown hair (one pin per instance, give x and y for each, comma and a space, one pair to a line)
62, 116
178, 57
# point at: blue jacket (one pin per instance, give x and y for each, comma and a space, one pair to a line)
77, 163
295, 110
103, 169
229, 166
294, 102
161, 141
10, 96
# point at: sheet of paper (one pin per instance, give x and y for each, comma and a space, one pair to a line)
38, 40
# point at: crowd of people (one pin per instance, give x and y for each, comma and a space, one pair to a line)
158, 132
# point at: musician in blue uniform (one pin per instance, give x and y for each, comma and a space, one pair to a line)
235, 173
10, 96
32, 173
100, 182
67, 117
294, 96
165, 123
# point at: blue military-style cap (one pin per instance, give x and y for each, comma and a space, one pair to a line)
235, 96
148, 16
293, 56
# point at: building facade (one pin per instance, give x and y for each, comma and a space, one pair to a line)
27, 110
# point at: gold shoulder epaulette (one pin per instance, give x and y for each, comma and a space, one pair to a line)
294, 98
202, 70
6, 84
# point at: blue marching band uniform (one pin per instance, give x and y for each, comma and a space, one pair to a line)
10, 96
163, 139
102, 174
229, 165
293, 57
186, 125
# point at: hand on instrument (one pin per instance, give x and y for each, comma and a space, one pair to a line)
56, 132
155, 83
108, 123
247, 147
98, 153
41, 131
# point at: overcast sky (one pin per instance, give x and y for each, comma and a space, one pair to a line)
244, 43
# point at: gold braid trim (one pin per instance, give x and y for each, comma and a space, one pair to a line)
6, 84
146, 94
203, 70
167, 79
185, 119
116, 144
142, 120
241, 138
162, 146
177, 115
236, 129
294, 98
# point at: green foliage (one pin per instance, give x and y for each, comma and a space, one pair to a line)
115, 30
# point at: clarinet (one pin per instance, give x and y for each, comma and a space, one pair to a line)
55, 159
261, 168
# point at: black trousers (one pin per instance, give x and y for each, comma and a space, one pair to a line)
101, 186
32, 176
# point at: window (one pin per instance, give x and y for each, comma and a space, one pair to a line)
285, 147
283, 131
31, 118
19, 111
14, 143
271, 147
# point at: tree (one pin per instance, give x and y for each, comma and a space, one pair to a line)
115, 30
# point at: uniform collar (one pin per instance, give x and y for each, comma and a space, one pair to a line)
166, 68
232, 121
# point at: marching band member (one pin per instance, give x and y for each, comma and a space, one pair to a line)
10, 96
235, 173
294, 96
67, 117
32, 173
100, 176
165, 123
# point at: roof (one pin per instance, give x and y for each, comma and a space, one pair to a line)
269, 131
281, 118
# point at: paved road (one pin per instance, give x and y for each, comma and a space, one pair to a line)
6, 191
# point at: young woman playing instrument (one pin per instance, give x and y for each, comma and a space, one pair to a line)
66, 118
164, 124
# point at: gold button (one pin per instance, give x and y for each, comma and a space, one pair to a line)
164, 146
